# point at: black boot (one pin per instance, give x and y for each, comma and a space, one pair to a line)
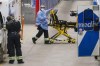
34, 40
20, 61
47, 42
11, 61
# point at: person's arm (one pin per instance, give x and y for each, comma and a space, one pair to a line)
20, 30
38, 19
1, 20
47, 11
19, 26
8, 25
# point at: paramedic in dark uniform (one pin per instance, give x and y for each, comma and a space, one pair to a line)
42, 24
14, 46
1, 26
1, 20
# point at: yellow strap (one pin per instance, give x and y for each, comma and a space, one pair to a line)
52, 12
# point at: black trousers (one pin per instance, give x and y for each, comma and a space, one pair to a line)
14, 46
41, 31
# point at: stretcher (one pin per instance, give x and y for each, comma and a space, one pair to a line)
61, 26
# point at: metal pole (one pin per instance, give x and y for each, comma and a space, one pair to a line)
37, 6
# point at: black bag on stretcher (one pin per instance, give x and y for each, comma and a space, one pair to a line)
88, 19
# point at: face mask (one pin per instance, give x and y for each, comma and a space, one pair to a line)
42, 9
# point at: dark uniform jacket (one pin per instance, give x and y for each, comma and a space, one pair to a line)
1, 21
13, 26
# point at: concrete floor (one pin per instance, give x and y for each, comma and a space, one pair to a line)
41, 54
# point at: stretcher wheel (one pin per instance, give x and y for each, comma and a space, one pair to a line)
97, 58
69, 41
73, 41
75, 29
51, 41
